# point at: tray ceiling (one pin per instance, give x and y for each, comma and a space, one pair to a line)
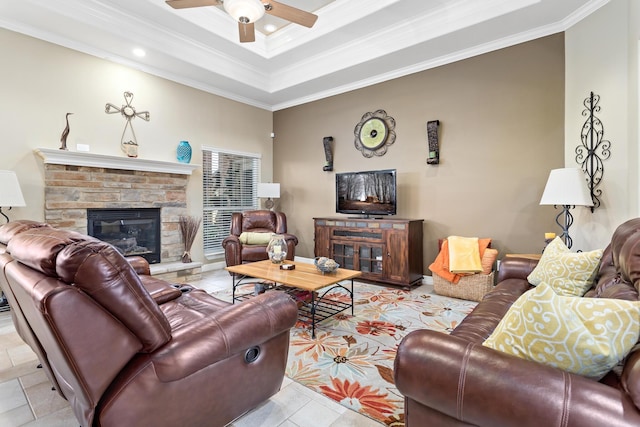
354, 43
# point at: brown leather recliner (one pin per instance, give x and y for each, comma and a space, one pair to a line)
128, 350
452, 380
258, 221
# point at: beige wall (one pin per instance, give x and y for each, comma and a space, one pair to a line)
40, 82
501, 131
602, 56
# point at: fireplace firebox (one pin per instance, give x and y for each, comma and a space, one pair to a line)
133, 231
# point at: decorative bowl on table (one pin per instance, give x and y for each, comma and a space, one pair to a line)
325, 265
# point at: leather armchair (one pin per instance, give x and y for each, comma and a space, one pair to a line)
258, 221
127, 349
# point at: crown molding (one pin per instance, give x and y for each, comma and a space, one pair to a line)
502, 43
421, 28
583, 12
355, 43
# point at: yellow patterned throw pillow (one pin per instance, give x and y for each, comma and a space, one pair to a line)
586, 336
568, 273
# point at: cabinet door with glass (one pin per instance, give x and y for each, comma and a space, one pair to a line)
370, 258
344, 254
365, 257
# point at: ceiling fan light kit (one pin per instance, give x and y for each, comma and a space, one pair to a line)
247, 12
244, 11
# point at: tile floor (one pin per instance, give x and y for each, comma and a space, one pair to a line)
26, 398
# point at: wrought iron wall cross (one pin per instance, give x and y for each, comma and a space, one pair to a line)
128, 111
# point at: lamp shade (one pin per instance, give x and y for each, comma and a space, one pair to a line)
244, 10
566, 186
10, 193
268, 190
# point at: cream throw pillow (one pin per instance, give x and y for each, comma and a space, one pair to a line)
253, 238
568, 273
586, 336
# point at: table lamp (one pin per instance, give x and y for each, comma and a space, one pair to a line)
566, 187
10, 193
269, 191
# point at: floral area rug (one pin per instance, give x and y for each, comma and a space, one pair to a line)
350, 360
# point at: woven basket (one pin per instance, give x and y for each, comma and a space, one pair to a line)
472, 288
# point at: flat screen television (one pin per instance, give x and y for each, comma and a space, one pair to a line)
368, 193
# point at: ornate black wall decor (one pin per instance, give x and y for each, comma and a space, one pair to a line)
432, 139
328, 154
593, 149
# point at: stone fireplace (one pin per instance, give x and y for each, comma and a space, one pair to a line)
76, 182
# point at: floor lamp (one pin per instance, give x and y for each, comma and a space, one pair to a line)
566, 187
268, 191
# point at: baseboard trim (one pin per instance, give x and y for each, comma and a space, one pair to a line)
214, 266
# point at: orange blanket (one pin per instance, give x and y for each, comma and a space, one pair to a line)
440, 265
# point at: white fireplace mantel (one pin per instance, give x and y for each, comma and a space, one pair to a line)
76, 158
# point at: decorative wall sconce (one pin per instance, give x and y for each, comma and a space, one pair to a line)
432, 141
328, 154
593, 149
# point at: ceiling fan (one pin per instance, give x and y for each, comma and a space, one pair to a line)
247, 12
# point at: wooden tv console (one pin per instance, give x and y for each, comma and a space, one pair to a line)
384, 250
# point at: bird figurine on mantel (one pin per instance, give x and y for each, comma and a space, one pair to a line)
65, 133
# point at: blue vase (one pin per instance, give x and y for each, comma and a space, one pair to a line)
184, 152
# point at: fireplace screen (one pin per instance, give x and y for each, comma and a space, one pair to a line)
131, 231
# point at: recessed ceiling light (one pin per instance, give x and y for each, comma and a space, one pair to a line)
139, 52
269, 28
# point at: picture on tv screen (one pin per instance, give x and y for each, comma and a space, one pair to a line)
368, 192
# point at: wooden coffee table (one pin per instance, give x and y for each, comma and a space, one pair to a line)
305, 277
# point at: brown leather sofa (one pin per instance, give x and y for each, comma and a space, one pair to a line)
130, 350
258, 221
452, 380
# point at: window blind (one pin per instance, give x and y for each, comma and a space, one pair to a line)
230, 180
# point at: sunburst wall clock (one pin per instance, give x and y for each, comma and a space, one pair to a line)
375, 133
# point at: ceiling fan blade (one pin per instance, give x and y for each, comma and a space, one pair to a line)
290, 13
182, 4
247, 32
